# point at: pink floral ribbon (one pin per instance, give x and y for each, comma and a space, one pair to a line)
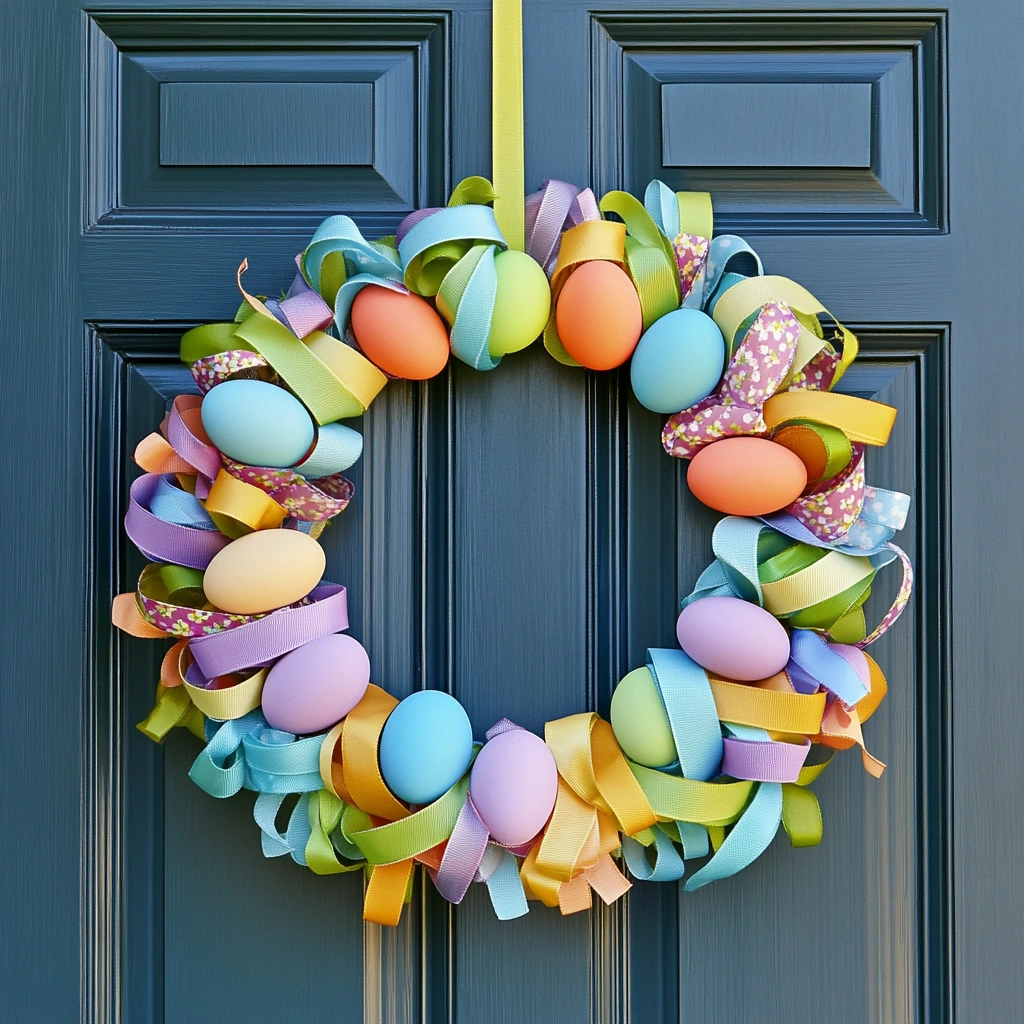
755, 372
691, 254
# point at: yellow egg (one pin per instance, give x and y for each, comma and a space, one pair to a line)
263, 571
522, 304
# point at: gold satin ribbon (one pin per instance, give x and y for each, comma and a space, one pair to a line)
860, 419
793, 713
238, 508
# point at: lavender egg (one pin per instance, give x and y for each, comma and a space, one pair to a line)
733, 639
514, 783
315, 686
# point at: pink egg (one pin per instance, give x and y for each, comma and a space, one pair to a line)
315, 686
733, 638
514, 784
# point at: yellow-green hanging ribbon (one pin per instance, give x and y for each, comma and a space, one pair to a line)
507, 120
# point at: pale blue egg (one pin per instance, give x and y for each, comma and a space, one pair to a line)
678, 361
257, 423
425, 746
337, 448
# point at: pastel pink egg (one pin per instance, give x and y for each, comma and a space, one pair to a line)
315, 686
514, 784
732, 638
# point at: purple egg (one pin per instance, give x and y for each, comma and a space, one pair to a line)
514, 784
733, 638
315, 686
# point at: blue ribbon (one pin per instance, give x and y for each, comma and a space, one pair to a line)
690, 706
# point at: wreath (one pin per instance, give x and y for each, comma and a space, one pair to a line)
710, 746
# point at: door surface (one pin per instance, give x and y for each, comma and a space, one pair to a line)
518, 537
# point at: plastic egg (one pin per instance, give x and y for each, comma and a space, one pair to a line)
598, 315
732, 638
746, 476
315, 686
425, 746
678, 361
257, 423
337, 448
639, 720
522, 303
263, 571
399, 332
514, 784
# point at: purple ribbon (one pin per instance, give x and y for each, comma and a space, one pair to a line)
302, 310
558, 206
463, 855
761, 761
263, 641
167, 542
814, 659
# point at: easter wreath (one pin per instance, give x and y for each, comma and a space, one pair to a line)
706, 753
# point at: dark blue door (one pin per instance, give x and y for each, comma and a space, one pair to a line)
519, 537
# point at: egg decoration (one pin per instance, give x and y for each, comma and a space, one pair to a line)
399, 332
678, 361
315, 686
746, 476
732, 638
639, 720
425, 746
514, 783
598, 315
263, 571
337, 448
522, 304
257, 423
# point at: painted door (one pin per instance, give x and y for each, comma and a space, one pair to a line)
519, 537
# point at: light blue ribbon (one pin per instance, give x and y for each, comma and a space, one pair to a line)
277, 762
471, 331
296, 835
690, 706
220, 767
173, 505
505, 887
668, 866
747, 840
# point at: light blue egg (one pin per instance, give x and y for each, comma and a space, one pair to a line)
425, 746
728, 280
678, 361
337, 448
257, 423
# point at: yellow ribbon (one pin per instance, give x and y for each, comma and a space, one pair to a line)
507, 120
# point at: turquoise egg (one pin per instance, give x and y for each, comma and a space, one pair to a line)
728, 280
425, 746
678, 361
257, 423
337, 448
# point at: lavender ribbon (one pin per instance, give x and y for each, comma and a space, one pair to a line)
163, 541
261, 642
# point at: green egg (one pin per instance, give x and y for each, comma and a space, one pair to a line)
639, 720
522, 304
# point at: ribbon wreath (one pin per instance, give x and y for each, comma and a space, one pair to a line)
744, 754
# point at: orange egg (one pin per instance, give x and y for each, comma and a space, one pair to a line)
598, 315
400, 333
746, 476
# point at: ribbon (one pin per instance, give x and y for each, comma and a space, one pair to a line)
507, 118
